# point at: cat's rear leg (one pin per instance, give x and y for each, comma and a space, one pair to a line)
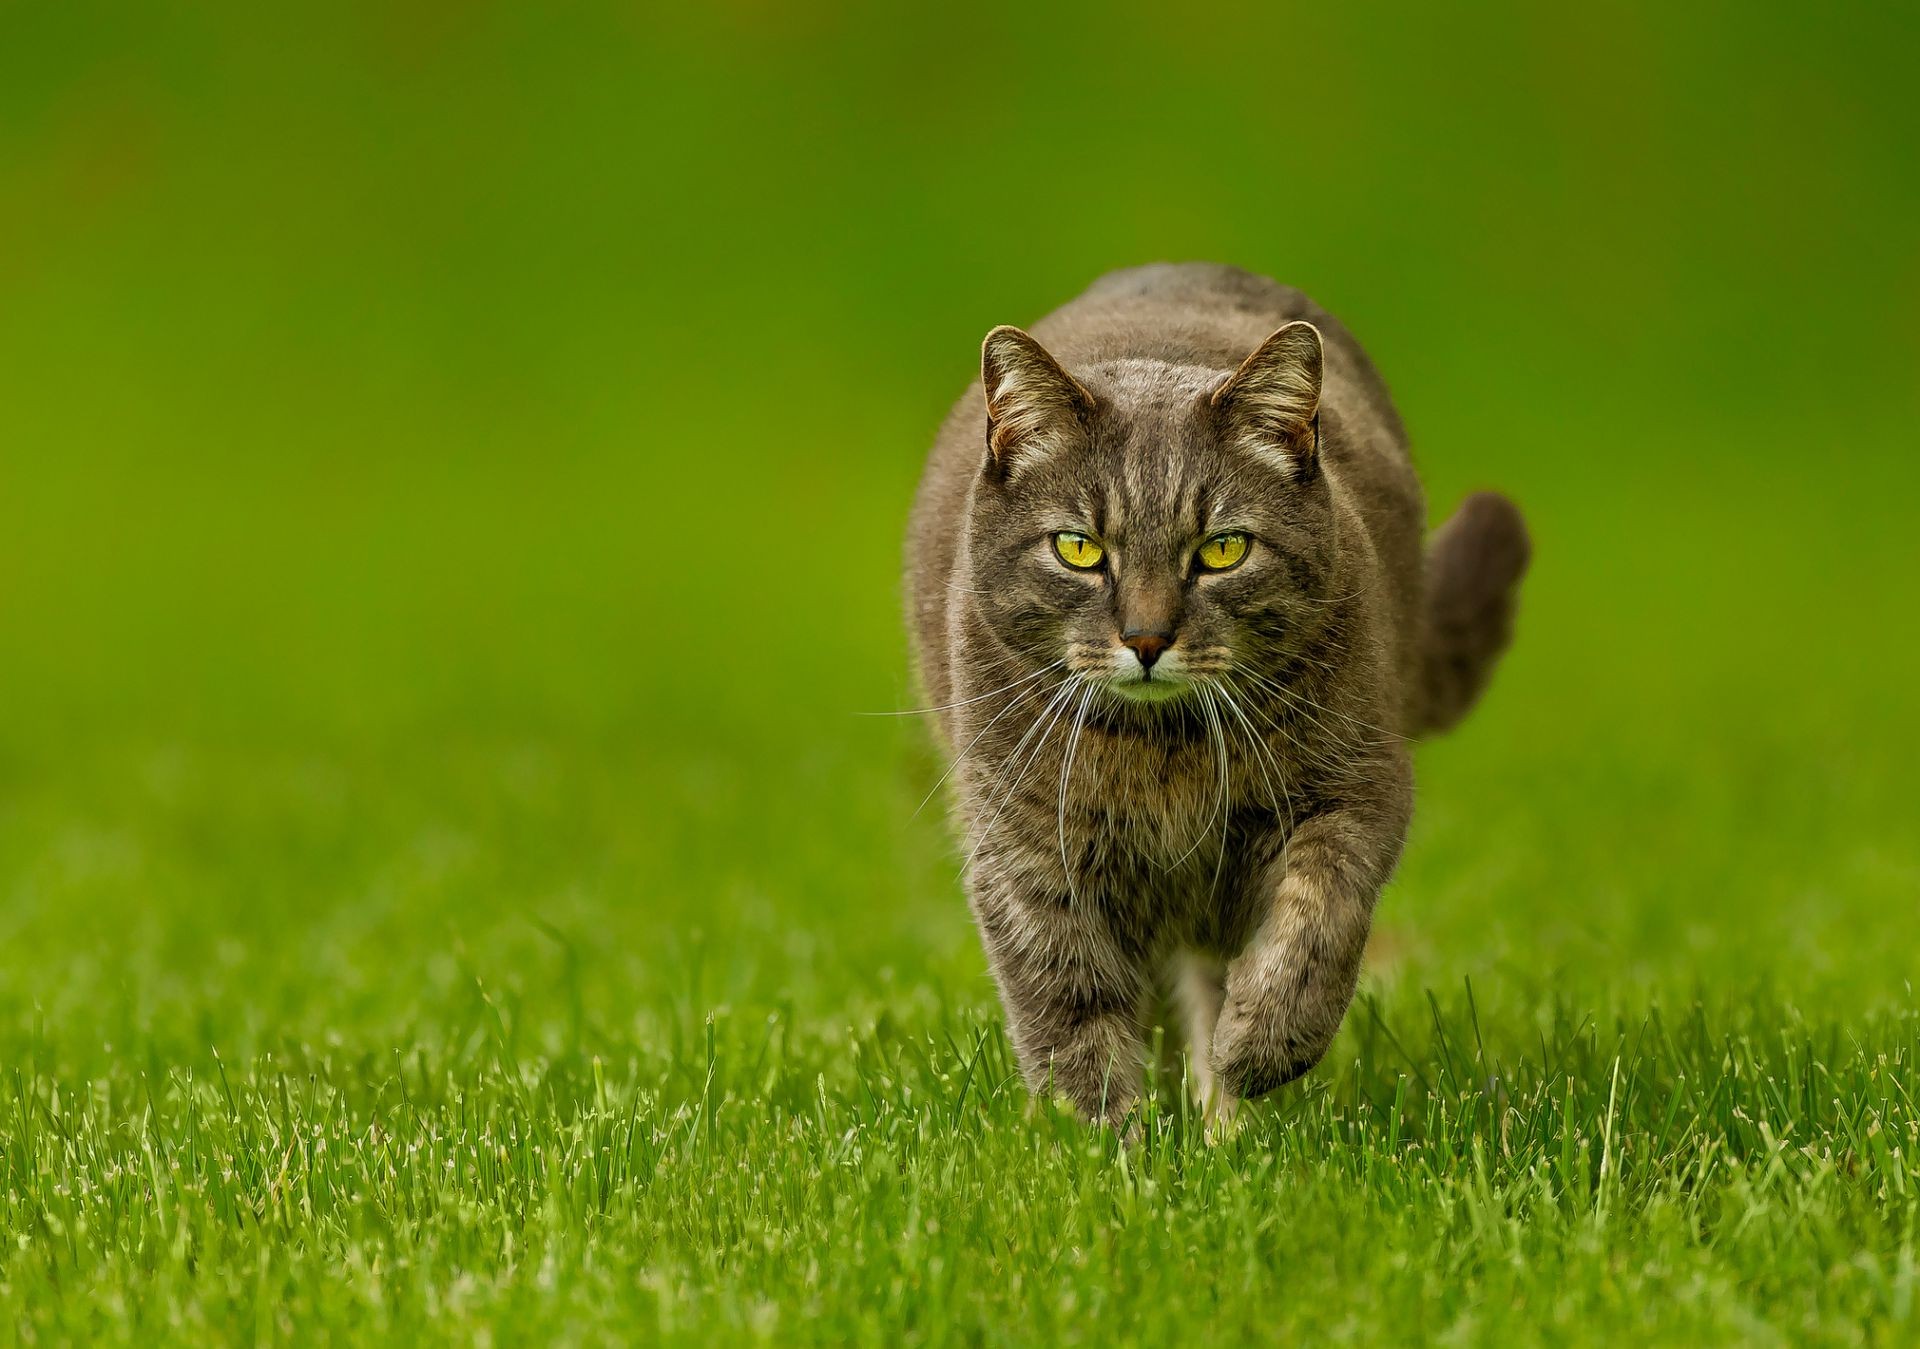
1199, 989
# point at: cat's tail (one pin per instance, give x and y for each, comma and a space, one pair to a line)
1474, 565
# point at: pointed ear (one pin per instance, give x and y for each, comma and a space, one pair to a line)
1033, 406
1271, 404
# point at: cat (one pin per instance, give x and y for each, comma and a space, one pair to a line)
1168, 593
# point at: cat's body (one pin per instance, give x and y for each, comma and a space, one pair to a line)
1141, 494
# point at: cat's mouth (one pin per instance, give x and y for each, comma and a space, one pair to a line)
1150, 688
1159, 679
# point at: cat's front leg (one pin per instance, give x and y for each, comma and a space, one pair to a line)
1289, 989
1073, 993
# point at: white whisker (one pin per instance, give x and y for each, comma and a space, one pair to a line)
1269, 768
1066, 771
1343, 742
1226, 795
1300, 750
1012, 703
964, 702
1048, 715
1302, 701
1218, 743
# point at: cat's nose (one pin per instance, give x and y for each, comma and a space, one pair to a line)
1147, 644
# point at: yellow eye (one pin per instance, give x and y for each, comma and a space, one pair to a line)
1078, 551
1222, 551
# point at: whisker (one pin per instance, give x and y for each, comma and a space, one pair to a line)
1226, 797
1066, 771
1336, 599
1302, 702
1012, 703
1305, 753
1264, 759
1048, 715
1215, 740
964, 702
1044, 724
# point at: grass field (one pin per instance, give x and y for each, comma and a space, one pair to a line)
451, 474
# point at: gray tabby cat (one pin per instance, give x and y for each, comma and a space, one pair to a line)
1168, 589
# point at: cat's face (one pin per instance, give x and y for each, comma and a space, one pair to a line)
1152, 528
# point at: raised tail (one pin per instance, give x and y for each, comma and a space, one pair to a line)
1474, 565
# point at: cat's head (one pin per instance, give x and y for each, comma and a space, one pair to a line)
1152, 526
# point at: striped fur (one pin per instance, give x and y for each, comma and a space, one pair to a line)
1216, 840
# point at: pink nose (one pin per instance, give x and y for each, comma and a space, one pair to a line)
1147, 645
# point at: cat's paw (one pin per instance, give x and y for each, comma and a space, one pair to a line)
1273, 1027
1223, 1119
1252, 1052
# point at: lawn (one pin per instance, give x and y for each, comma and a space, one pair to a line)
450, 887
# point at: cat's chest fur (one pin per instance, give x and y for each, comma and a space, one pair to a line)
1149, 799
1133, 813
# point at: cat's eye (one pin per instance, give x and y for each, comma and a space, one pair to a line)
1078, 551
1222, 551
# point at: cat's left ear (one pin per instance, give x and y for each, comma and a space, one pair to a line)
1033, 406
1271, 404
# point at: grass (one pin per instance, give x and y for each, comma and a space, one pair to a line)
1710, 1175
609, 1010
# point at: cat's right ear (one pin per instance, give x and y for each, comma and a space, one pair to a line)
1033, 406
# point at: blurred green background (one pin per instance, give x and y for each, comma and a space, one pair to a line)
453, 460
